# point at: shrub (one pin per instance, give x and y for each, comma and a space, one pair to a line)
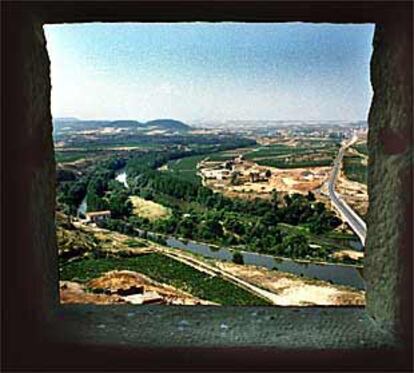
238, 258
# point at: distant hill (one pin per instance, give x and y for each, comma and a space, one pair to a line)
66, 119
126, 124
77, 124
168, 124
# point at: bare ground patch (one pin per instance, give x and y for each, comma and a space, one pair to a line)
292, 290
149, 209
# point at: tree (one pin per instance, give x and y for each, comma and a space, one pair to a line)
295, 245
97, 185
95, 202
234, 178
234, 225
147, 194
319, 207
288, 199
269, 218
215, 227
316, 226
310, 197
115, 185
119, 204
238, 258
186, 228
274, 200
228, 166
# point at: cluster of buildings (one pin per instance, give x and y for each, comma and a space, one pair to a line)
311, 176
234, 170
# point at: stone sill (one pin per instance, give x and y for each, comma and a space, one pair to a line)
294, 328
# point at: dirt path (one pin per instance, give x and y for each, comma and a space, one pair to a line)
213, 271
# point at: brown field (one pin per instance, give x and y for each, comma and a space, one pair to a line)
149, 209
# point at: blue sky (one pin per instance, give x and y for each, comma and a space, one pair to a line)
210, 71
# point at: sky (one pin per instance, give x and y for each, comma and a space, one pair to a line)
210, 71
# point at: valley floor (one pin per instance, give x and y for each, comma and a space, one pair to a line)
142, 272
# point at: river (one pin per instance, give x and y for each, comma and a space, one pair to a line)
121, 176
337, 274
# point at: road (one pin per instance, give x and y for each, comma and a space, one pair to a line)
347, 213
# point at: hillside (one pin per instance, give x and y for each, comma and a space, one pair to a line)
168, 124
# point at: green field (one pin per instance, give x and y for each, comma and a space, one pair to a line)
275, 150
354, 169
319, 142
186, 168
220, 157
68, 156
283, 156
164, 270
361, 148
295, 164
274, 155
229, 154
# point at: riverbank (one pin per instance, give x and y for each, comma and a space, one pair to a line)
292, 290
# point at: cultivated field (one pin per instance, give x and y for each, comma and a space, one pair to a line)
294, 153
355, 163
163, 270
185, 168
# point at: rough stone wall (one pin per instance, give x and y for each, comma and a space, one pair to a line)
29, 254
388, 263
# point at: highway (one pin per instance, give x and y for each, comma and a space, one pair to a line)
350, 216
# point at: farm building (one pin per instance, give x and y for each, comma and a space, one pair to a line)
96, 216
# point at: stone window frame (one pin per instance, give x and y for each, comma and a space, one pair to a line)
42, 334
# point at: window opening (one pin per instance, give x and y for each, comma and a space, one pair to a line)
252, 192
